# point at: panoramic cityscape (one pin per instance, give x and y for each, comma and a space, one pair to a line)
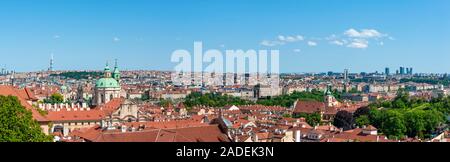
160, 71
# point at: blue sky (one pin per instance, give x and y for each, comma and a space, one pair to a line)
312, 35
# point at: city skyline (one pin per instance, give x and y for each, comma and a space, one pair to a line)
364, 36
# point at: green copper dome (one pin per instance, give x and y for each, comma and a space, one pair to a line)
107, 83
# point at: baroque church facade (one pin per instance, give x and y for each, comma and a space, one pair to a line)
108, 87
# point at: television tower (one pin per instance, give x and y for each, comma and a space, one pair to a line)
51, 63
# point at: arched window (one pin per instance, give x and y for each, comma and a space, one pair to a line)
111, 97
102, 97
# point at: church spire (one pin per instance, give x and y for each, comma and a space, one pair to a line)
107, 70
116, 72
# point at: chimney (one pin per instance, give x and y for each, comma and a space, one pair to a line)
297, 136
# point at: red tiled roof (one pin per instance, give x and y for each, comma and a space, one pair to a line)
210, 133
95, 114
309, 106
370, 128
356, 134
169, 124
86, 115
263, 135
23, 96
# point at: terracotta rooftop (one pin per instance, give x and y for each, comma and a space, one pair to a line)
23, 95
210, 133
95, 114
309, 106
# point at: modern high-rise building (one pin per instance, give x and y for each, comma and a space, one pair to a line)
387, 71
345, 74
330, 73
402, 70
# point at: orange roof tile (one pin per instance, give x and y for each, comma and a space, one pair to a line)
23, 96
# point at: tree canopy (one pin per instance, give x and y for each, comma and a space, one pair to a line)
213, 100
312, 119
55, 99
289, 99
79, 74
17, 123
405, 116
344, 119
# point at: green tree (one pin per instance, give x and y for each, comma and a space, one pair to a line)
344, 119
286, 115
165, 103
55, 99
213, 100
289, 99
393, 124
312, 119
17, 123
432, 120
145, 96
415, 123
362, 120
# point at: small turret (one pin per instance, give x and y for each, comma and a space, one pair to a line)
116, 72
107, 71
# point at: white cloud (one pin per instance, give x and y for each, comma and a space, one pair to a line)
116, 39
290, 39
281, 40
294, 38
271, 43
266, 43
338, 42
352, 38
358, 43
297, 50
331, 37
222, 45
311, 43
364, 33
56, 36
361, 38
